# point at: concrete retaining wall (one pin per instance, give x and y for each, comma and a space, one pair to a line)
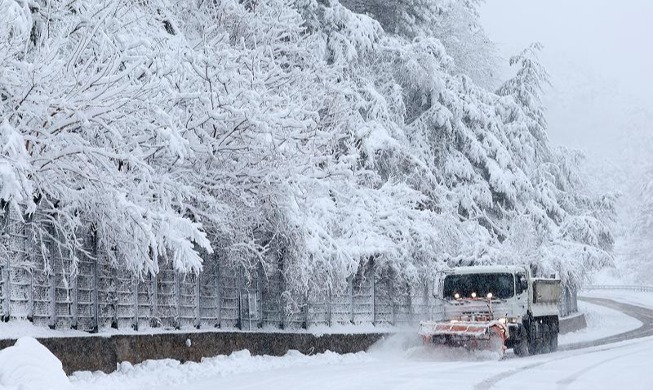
104, 353
572, 323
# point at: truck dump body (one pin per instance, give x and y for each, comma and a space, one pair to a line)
546, 295
546, 291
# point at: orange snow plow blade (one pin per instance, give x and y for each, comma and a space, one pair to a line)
473, 335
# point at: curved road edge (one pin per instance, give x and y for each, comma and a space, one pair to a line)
644, 315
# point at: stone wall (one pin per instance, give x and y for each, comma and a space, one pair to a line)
104, 353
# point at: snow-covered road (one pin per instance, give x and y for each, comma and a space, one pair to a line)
399, 363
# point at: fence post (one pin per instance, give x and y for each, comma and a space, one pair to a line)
7, 284
177, 299
307, 309
239, 321
198, 314
330, 309
351, 299
95, 284
259, 295
29, 252
52, 292
373, 279
74, 308
154, 300
135, 287
4, 264
218, 287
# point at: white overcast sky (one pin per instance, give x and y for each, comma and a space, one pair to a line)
600, 57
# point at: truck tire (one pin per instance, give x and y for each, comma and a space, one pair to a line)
545, 342
553, 342
534, 342
521, 348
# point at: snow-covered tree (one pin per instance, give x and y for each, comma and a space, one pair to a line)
455, 23
307, 138
640, 234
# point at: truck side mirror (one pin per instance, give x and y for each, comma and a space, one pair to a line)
523, 283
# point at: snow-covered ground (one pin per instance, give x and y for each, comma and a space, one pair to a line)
601, 322
396, 363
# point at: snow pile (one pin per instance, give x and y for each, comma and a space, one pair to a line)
172, 373
21, 328
28, 365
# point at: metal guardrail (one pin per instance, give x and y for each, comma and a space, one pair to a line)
619, 287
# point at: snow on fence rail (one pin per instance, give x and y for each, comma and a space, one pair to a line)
39, 281
619, 287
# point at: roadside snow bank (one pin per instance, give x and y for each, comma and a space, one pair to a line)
28, 365
169, 373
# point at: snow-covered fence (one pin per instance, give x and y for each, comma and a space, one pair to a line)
43, 281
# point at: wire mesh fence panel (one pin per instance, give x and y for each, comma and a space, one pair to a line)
147, 302
20, 291
17, 279
42, 285
363, 298
384, 308
209, 300
85, 296
229, 298
187, 300
296, 316
126, 299
341, 306
251, 311
402, 305
421, 302
250, 306
107, 298
272, 305
167, 296
319, 309
64, 270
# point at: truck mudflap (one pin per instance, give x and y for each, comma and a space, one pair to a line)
472, 335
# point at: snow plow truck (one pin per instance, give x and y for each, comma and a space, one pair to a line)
495, 308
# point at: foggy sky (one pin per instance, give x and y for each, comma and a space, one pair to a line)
599, 55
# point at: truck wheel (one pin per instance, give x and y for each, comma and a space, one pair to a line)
521, 348
545, 342
534, 344
553, 342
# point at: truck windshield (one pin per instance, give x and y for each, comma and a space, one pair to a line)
500, 285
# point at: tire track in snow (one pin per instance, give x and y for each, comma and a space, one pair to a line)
642, 314
563, 383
